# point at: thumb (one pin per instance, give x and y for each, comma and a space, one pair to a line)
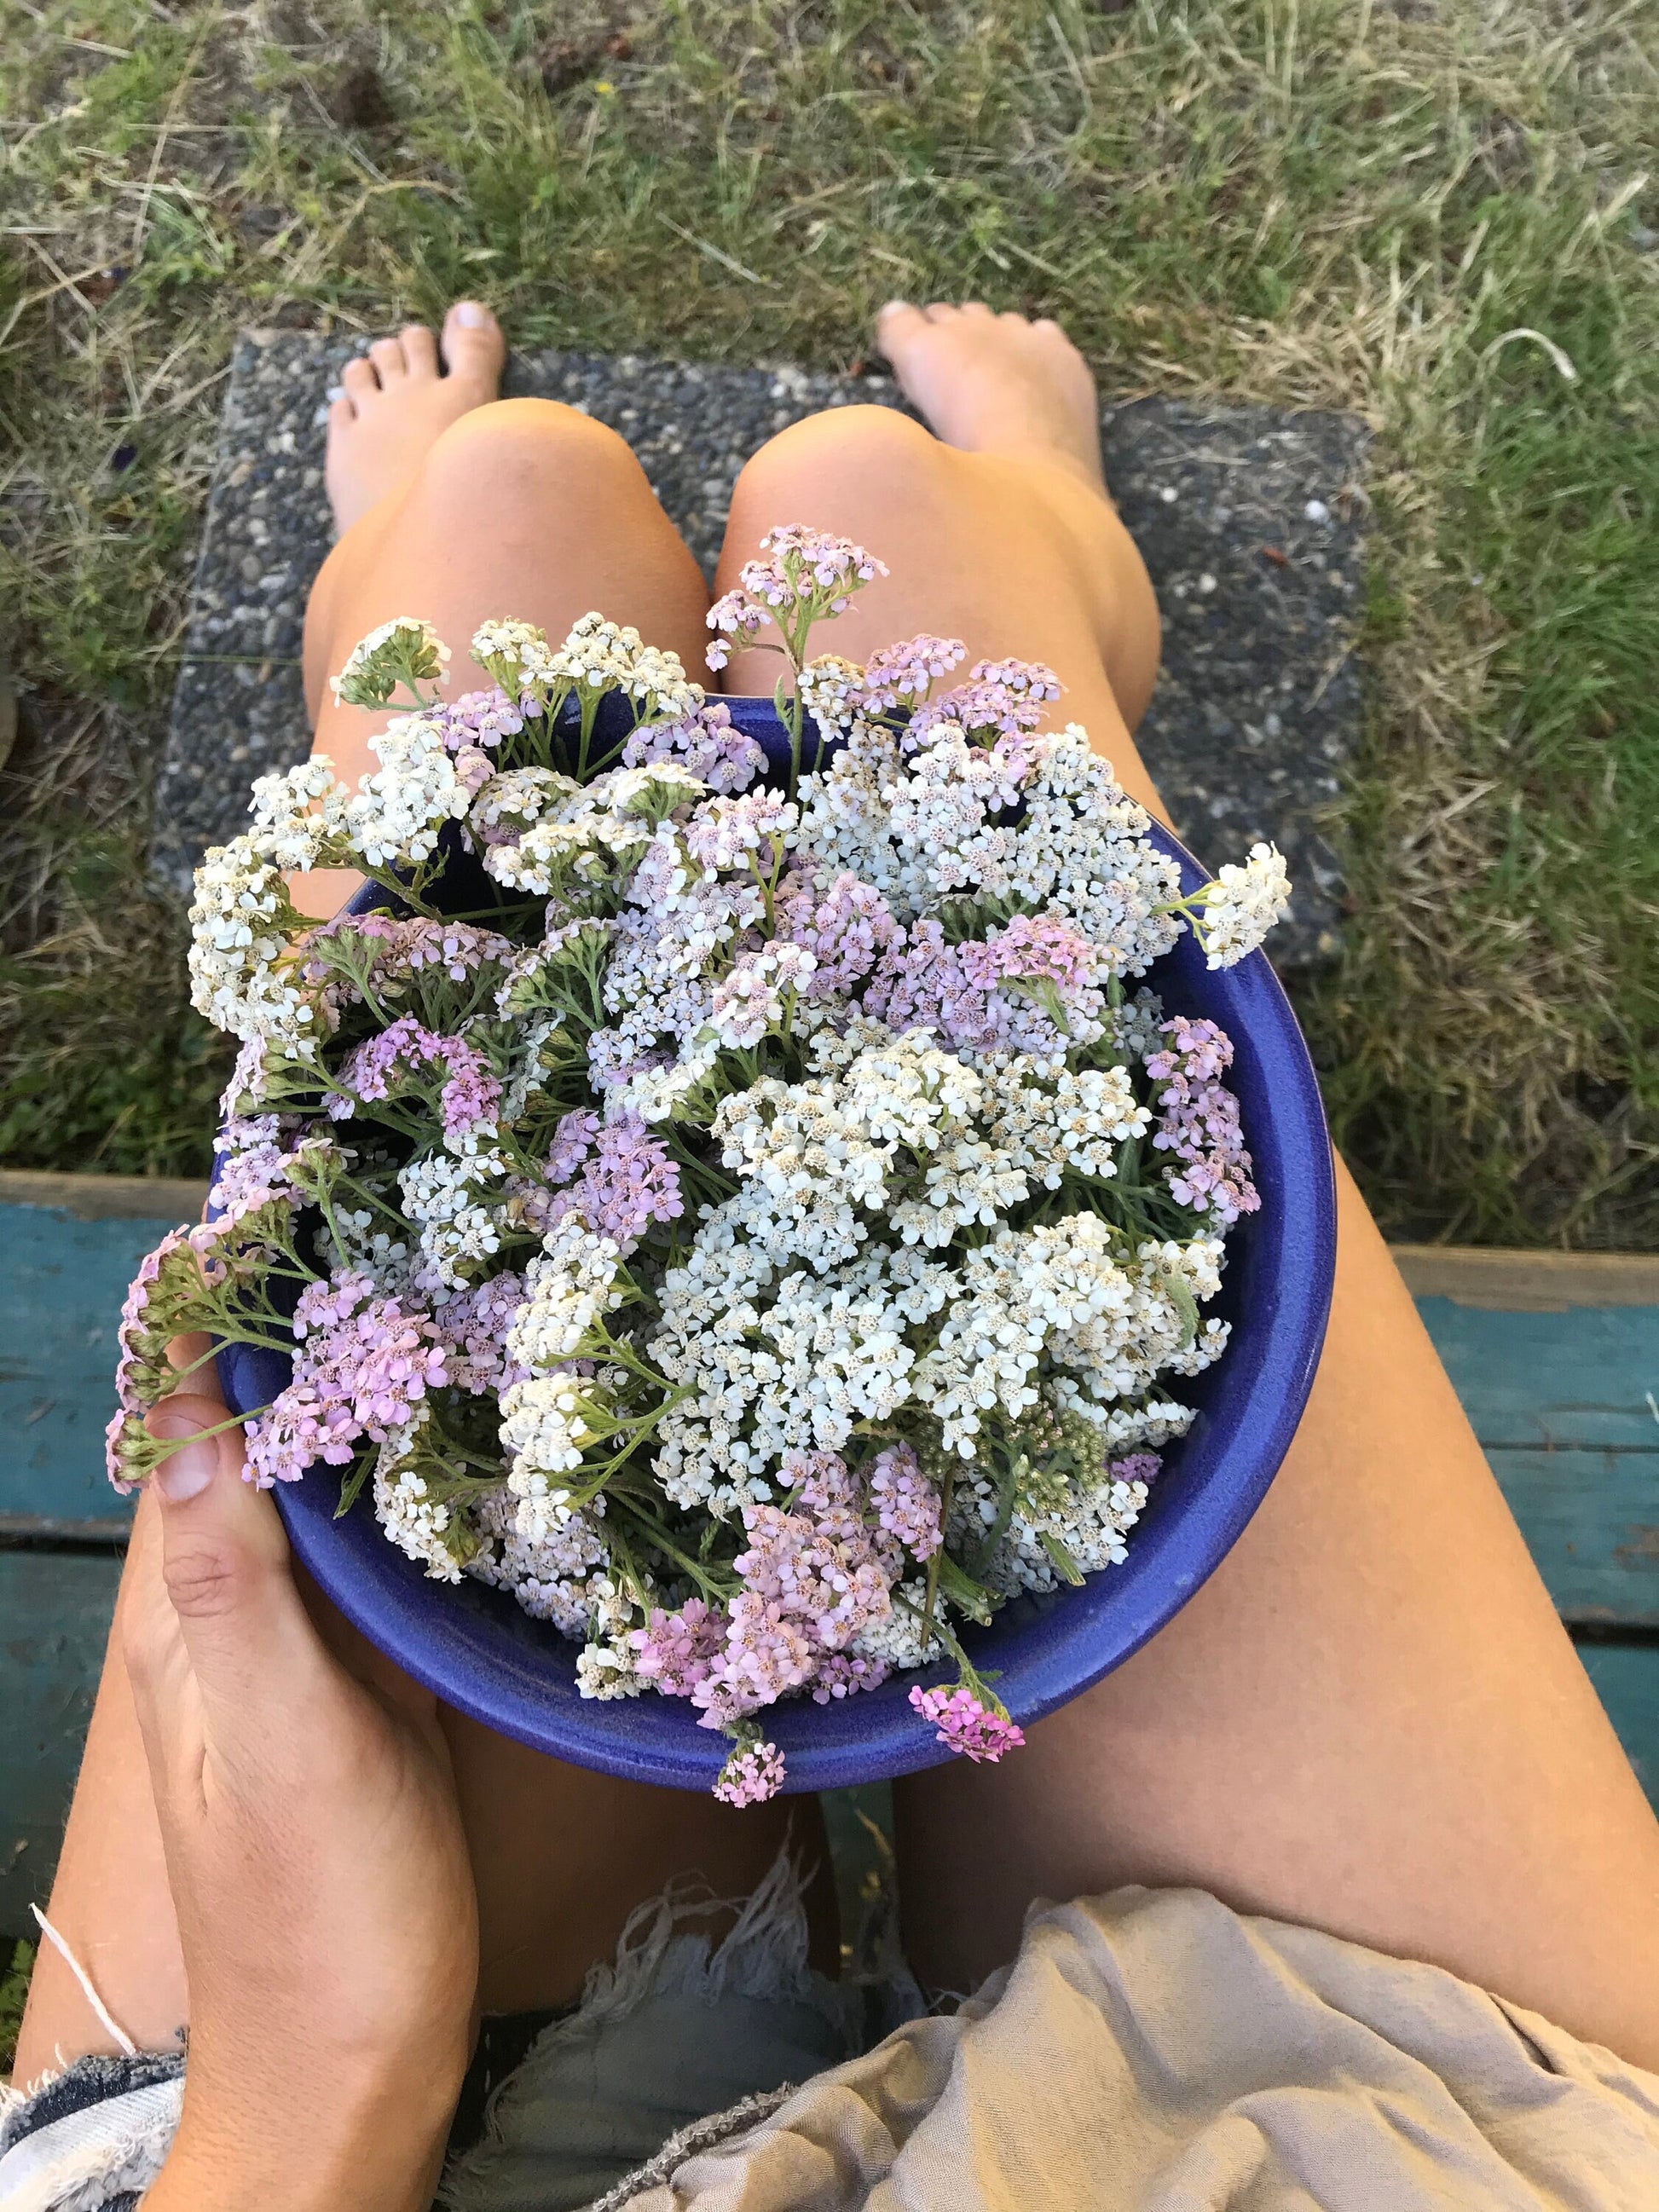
224, 1562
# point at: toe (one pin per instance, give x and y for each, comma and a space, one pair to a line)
360, 381
341, 415
387, 355
420, 349
473, 345
896, 325
941, 310
978, 310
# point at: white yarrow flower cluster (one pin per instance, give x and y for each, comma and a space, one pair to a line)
1243, 904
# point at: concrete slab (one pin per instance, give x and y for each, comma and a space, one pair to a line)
1252, 523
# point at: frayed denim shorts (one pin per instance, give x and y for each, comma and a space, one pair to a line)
560, 2111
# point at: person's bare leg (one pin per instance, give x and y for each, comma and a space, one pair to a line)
1010, 543
455, 507
1370, 1719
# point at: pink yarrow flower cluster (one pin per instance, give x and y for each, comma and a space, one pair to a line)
846, 929
471, 1328
812, 1577
972, 1728
471, 1093
811, 573
752, 1773
1198, 1120
907, 1504
902, 675
361, 1367
480, 718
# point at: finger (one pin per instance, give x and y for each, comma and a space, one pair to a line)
250, 1644
152, 1645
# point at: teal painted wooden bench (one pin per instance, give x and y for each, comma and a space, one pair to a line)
1555, 1357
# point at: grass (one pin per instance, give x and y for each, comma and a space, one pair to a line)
14, 1991
1438, 215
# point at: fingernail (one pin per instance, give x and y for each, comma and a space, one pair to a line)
470, 316
185, 1473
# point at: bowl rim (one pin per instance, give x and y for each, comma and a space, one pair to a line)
476, 1649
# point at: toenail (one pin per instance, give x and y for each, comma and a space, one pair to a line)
893, 307
470, 316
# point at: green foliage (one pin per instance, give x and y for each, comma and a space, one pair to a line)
1306, 202
14, 1995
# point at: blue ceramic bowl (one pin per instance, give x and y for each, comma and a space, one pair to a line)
475, 1648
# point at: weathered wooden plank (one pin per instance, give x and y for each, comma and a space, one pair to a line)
1627, 1678
1591, 1521
106, 1198
1529, 1282
55, 1610
61, 1282
1583, 1380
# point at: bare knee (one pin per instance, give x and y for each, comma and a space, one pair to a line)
513, 442
845, 451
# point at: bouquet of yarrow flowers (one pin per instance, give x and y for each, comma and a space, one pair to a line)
768, 1228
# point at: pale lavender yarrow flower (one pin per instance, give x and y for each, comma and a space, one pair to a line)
478, 718
675, 1651
846, 929
1028, 988
722, 832
809, 1585
902, 675
471, 1092
706, 742
840, 1675
472, 1326
1008, 696
631, 1181
618, 1180
1197, 1121
459, 948
572, 1141
1136, 1467
907, 1504
250, 1170
972, 1727
753, 1773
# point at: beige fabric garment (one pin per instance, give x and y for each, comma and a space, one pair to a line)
1154, 2051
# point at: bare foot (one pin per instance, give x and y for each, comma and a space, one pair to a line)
996, 384
396, 401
